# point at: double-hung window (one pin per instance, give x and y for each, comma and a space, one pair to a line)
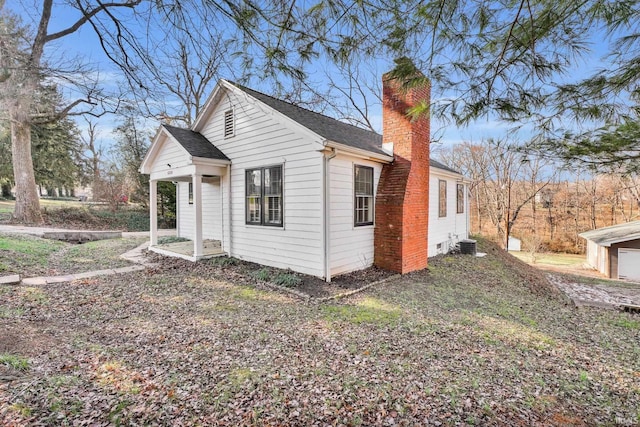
460, 198
442, 198
263, 192
363, 197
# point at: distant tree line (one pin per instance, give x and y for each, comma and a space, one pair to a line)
544, 202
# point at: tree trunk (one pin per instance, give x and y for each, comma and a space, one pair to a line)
27, 207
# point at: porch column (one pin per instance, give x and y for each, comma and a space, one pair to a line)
153, 212
197, 206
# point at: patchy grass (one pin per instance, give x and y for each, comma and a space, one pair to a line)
6, 209
72, 214
32, 256
368, 310
473, 341
15, 362
24, 252
550, 258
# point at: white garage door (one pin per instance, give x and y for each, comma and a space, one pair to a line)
629, 264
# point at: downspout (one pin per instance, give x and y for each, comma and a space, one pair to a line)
327, 213
467, 207
229, 222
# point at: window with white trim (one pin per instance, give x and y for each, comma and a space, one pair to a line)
229, 124
363, 195
263, 193
191, 193
460, 198
442, 198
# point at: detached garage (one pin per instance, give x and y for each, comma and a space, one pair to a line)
615, 251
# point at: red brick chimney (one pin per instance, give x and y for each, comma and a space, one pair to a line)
402, 200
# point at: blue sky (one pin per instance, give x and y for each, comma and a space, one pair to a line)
85, 44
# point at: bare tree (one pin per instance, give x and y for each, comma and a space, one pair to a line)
503, 180
184, 64
91, 156
23, 65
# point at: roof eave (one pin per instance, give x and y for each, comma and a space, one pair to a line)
211, 101
208, 161
449, 173
588, 235
359, 152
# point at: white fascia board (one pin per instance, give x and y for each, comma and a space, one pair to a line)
168, 174
447, 174
209, 162
147, 162
358, 152
213, 99
608, 243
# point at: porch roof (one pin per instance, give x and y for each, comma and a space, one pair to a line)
195, 143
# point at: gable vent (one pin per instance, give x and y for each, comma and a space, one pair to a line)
228, 123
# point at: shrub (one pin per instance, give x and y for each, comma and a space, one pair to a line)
262, 274
287, 279
562, 246
224, 261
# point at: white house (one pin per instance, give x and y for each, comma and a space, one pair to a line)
266, 181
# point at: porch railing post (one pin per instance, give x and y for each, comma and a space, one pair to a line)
197, 205
153, 212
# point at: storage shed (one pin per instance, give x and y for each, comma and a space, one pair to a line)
515, 244
615, 251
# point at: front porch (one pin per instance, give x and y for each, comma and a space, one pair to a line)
200, 173
210, 249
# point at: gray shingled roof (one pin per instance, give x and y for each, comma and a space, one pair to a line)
195, 143
437, 164
329, 128
607, 236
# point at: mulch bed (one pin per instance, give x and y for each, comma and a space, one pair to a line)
250, 273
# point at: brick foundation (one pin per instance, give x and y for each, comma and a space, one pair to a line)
402, 200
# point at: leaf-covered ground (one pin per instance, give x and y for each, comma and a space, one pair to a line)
474, 341
33, 256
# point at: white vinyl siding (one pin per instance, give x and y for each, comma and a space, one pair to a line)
445, 231
169, 156
211, 210
351, 247
263, 138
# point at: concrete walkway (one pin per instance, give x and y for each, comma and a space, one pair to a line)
134, 255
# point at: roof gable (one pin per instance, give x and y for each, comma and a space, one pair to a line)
327, 127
